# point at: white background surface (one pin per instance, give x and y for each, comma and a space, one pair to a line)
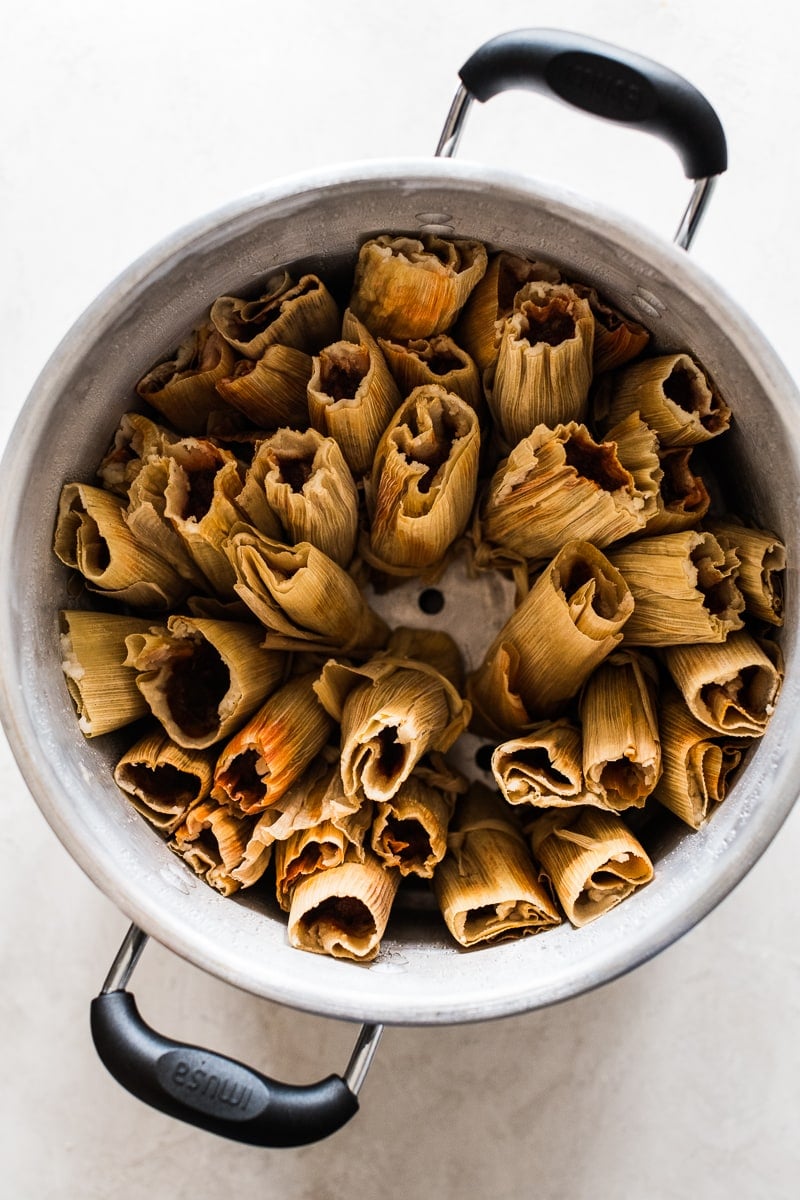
120, 123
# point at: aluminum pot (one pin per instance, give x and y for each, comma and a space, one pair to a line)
322, 217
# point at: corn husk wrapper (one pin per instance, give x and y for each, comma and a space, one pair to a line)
343, 911
202, 678
319, 848
405, 288
147, 520
300, 595
307, 487
271, 391
559, 484
315, 798
544, 361
136, 439
183, 389
544, 768
673, 395
487, 886
352, 396
621, 745
219, 847
200, 501
762, 558
698, 764
492, 301
302, 315
684, 589
683, 498
410, 830
438, 360
617, 339
731, 687
592, 859
93, 654
163, 780
423, 481
392, 711
569, 622
432, 646
272, 751
93, 537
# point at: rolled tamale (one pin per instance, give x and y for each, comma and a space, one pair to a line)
135, 440
570, 621
270, 753
301, 595
543, 768
673, 395
619, 719
492, 301
487, 885
684, 588
698, 763
183, 388
219, 847
423, 481
163, 780
731, 687
405, 288
319, 848
762, 560
343, 911
202, 678
436, 360
410, 830
617, 339
270, 390
102, 686
592, 859
544, 362
302, 315
683, 498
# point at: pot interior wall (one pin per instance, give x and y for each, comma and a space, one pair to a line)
66, 427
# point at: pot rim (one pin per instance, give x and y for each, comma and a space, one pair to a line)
320, 986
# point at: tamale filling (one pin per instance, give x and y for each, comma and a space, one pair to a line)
598, 463
391, 753
346, 913
242, 780
296, 470
343, 371
164, 783
200, 493
552, 324
195, 688
406, 839
537, 759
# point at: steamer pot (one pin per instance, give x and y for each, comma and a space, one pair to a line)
322, 217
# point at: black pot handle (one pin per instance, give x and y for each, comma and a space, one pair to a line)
606, 81
209, 1090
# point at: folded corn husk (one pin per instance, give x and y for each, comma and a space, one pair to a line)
306, 486
352, 395
423, 481
93, 654
319, 848
343, 911
698, 764
544, 768
544, 361
487, 886
93, 537
591, 858
762, 558
617, 339
392, 711
203, 484
202, 678
731, 687
137, 438
270, 753
684, 589
315, 798
146, 517
432, 646
404, 288
302, 315
492, 301
219, 847
558, 484
163, 780
300, 595
421, 362
619, 718
183, 389
569, 622
270, 391
410, 830
683, 498
673, 395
